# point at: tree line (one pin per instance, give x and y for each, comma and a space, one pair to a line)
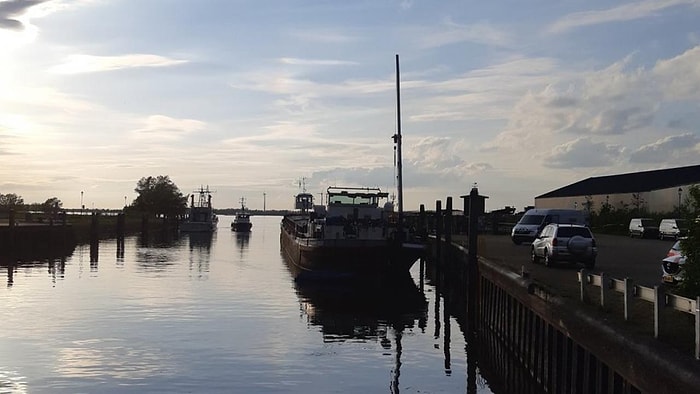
157, 196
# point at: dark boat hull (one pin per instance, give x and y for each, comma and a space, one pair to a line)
241, 227
348, 258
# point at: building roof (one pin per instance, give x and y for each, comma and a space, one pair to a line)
634, 182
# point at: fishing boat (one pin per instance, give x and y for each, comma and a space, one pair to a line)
200, 215
355, 234
241, 222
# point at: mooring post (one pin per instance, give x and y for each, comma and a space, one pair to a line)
120, 225
422, 223
697, 328
448, 221
472, 263
94, 227
438, 234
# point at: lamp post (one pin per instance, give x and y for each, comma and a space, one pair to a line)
81, 201
680, 191
124, 201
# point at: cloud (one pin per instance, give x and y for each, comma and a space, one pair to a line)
324, 36
160, 127
76, 64
583, 152
315, 62
626, 12
453, 33
440, 156
679, 77
682, 148
10, 10
611, 101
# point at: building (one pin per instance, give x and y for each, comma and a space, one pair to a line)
652, 191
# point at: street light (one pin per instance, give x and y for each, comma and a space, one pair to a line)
82, 206
680, 190
124, 201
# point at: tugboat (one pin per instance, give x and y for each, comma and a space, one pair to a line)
241, 222
200, 215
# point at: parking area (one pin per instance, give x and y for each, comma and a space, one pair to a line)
618, 256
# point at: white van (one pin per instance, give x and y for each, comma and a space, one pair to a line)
672, 228
643, 228
534, 220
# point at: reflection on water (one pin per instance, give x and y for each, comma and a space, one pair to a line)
217, 313
242, 239
54, 259
200, 252
361, 311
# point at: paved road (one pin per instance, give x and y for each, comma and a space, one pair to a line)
618, 256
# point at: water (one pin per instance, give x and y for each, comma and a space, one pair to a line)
217, 315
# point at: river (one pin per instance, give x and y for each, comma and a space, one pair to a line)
218, 314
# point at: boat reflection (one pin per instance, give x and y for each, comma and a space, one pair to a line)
200, 252
351, 310
242, 239
362, 311
53, 258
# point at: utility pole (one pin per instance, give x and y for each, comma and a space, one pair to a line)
264, 201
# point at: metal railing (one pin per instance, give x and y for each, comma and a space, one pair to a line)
631, 292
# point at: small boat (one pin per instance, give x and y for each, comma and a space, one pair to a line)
241, 222
200, 215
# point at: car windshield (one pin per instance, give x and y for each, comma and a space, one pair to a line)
532, 219
681, 224
647, 223
568, 232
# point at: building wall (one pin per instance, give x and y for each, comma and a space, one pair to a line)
662, 200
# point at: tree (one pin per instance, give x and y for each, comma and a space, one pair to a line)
690, 287
159, 196
11, 200
52, 205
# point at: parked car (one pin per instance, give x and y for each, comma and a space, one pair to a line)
532, 222
672, 265
672, 228
564, 242
643, 228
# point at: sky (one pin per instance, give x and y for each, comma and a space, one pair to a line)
517, 98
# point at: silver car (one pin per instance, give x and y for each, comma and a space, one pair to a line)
564, 242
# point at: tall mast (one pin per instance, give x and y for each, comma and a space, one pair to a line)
397, 140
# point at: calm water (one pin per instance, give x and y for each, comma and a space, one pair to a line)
217, 315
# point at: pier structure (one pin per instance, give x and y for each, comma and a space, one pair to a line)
535, 337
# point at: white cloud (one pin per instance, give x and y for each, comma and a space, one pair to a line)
625, 12
76, 64
162, 128
679, 77
682, 148
583, 152
315, 62
450, 33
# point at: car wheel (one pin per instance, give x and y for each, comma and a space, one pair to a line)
533, 256
547, 259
